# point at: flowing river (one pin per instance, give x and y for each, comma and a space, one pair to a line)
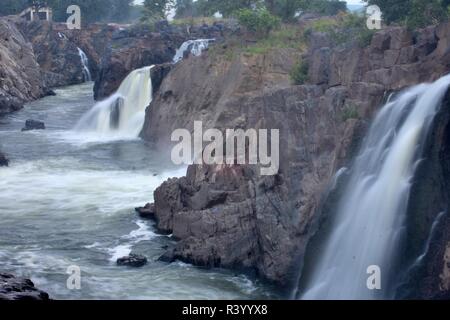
68, 199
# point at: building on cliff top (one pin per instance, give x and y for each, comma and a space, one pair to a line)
44, 13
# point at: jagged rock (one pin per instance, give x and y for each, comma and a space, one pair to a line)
147, 212
133, 260
139, 46
20, 74
33, 125
230, 216
158, 73
12, 288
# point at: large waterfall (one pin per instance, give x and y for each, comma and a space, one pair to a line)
85, 63
121, 115
368, 225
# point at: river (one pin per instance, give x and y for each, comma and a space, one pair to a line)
68, 198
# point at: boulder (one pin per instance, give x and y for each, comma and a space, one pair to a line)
33, 125
146, 212
133, 260
13, 288
4, 162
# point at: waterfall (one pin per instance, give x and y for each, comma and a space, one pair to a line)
62, 36
122, 114
85, 63
195, 47
368, 224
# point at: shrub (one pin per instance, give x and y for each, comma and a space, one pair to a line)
350, 111
299, 73
259, 21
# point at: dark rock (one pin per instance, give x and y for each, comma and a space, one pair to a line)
12, 288
138, 46
33, 125
147, 212
158, 73
133, 260
4, 162
231, 216
50, 92
20, 73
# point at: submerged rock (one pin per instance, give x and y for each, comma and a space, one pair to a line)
4, 162
34, 125
147, 212
13, 288
133, 260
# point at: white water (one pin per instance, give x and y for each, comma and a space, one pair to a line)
196, 48
85, 63
67, 201
368, 223
122, 115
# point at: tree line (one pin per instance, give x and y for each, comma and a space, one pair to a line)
91, 10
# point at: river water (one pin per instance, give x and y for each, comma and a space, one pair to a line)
68, 199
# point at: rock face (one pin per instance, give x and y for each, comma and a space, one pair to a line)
57, 56
12, 288
231, 216
20, 75
146, 212
133, 260
139, 46
428, 228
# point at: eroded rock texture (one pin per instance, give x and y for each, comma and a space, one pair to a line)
13, 288
20, 74
231, 216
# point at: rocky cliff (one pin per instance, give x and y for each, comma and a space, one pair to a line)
20, 74
139, 46
230, 216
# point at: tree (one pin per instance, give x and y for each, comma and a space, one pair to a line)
157, 9
226, 8
185, 9
259, 21
414, 13
286, 9
12, 7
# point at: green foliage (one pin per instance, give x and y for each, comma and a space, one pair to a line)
424, 13
327, 7
12, 6
299, 73
259, 21
286, 9
413, 13
350, 111
185, 9
287, 36
157, 9
344, 28
91, 11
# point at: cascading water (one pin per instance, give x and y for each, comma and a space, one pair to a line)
85, 63
121, 115
369, 222
196, 48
